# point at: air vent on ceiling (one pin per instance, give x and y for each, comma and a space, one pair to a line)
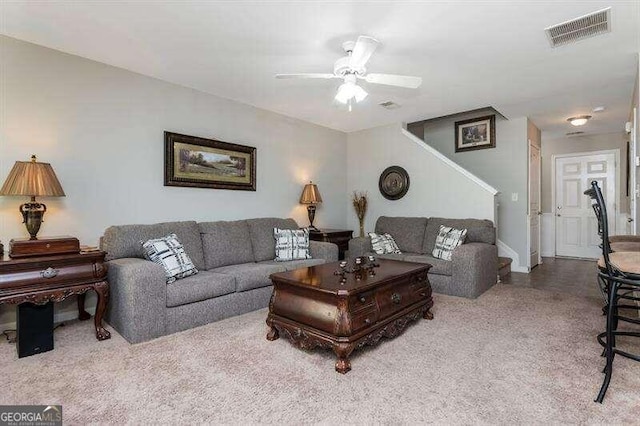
585, 26
573, 134
389, 105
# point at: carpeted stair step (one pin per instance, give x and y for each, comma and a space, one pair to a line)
504, 266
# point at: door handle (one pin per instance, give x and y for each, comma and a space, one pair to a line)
558, 214
630, 220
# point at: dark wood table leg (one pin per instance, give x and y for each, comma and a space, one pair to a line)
342, 351
102, 289
273, 333
82, 314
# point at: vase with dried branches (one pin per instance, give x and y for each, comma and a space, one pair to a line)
360, 206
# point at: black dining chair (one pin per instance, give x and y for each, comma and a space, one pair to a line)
619, 279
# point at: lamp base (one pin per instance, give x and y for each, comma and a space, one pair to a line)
311, 212
32, 214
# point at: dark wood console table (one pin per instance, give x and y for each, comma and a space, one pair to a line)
43, 279
339, 237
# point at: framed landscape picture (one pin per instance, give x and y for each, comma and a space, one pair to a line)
208, 163
477, 133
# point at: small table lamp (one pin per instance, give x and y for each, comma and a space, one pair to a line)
32, 179
311, 196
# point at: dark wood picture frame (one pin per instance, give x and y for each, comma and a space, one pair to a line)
487, 138
211, 175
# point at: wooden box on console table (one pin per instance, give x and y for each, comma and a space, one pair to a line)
45, 246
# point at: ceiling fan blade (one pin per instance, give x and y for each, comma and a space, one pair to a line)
306, 75
394, 80
364, 48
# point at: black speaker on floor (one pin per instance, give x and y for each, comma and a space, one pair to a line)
34, 329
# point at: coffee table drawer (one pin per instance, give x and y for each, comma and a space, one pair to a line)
364, 319
362, 301
394, 298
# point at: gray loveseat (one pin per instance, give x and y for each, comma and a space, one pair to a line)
473, 268
235, 260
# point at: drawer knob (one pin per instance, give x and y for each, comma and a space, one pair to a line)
367, 321
362, 299
395, 298
49, 273
420, 278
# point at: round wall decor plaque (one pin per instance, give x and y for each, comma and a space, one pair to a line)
394, 183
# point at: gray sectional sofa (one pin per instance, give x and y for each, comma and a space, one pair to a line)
473, 268
234, 258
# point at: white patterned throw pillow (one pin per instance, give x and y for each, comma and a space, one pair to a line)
448, 238
169, 253
291, 244
384, 244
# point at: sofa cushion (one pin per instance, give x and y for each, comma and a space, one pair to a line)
408, 232
438, 266
478, 231
226, 243
124, 240
169, 253
261, 232
251, 275
205, 285
295, 264
291, 244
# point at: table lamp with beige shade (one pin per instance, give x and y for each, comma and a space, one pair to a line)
311, 197
32, 179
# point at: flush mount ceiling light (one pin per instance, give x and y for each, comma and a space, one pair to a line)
579, 120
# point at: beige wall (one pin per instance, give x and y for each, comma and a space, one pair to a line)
102, 130
577, 144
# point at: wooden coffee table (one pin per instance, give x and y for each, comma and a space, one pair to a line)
313, 308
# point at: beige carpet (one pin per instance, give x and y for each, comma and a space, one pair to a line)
515, 355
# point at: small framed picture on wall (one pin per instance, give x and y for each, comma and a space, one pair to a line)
476, 133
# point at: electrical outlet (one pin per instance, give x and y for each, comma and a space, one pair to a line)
514, 196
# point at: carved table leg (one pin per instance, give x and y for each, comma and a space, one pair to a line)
82, 314
428, 315
342, 351
273, 334
102, 289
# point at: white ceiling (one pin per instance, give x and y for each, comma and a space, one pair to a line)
470, 54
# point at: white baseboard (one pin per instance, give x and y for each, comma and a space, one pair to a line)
506, 251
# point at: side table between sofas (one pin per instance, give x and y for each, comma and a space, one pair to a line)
339, 237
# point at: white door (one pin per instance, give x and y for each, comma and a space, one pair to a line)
576, 224
534, 205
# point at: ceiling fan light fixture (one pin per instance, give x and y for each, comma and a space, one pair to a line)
348, 91
360, 94
580, 120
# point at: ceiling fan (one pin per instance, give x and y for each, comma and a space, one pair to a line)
351, 68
